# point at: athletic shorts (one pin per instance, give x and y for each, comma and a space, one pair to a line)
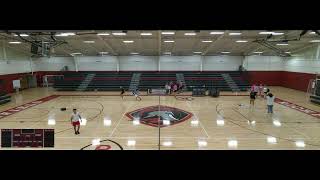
76, 123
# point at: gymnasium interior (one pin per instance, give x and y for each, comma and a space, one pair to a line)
44, 75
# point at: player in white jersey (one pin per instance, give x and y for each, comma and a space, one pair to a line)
75, 121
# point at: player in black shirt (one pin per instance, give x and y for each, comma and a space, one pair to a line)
122, 91
252, 97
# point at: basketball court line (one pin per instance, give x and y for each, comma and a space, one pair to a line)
299, 108
193, 112
262, 133
123, 115
269, 123
48, 98
163, 137
25, 106
294, 129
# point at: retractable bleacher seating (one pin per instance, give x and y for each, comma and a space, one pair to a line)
4, 98
70, 82
213, 80
155, 80
111, 81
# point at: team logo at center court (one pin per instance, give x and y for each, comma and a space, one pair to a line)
152, 114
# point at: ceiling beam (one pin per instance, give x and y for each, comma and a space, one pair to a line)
213, 42
107, 45
259, 46
304, 47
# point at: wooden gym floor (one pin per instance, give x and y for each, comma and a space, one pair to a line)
227, 122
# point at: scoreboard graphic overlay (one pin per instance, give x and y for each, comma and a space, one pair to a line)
26, 138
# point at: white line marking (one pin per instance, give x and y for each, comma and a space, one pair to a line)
198, 119
141, 137
114, 129
294, 129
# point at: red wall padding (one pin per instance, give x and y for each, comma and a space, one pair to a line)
298, 81
7, 81
293, 80
270, 78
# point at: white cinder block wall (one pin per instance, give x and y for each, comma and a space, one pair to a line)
107, 63
14, 66
263, 63
307, 61
221, 63
53, 64
138, 63
12, 61
302, 65
180, 63
165, 63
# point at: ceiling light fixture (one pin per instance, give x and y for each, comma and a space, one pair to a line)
22, 35
145, 34
241, 41
65, 34
88, 42
14, 42
235, 34
77, 53
190, 34
277, 33
216, 33
168, 33
282, 44
103, 34
119, 33
266, 32
127, 41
